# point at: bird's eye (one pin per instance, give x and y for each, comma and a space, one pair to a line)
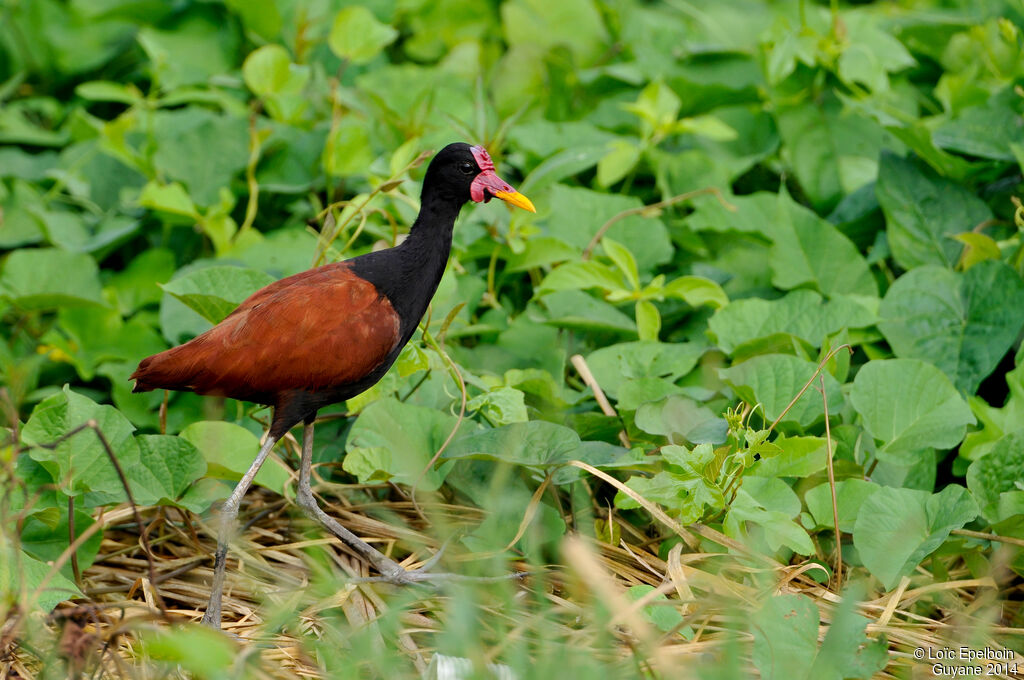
466, 168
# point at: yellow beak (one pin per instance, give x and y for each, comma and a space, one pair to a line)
516, 199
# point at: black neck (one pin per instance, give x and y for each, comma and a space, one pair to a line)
409, 273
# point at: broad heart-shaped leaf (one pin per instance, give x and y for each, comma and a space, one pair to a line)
616, 365
923, 210
964, 323
214, 292
80, 463
897, 528
357, 35
185, 138
681, 420
48, 278
785, 634
392, 440
21, 574
810, 250
168, 466
802, 313
229, 451
909, 405
998, 472
772, 380
44, 535
536, 443
832, 149
577, 214
850, 495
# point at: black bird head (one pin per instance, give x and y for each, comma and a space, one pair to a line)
462, 173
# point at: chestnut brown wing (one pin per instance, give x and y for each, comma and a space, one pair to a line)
322, 328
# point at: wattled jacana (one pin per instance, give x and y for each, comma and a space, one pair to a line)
324, 336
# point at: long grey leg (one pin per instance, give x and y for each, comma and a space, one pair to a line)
390, 570
228, 517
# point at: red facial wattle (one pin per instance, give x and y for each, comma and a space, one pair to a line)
487, 184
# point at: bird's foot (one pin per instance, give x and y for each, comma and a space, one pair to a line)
395, 574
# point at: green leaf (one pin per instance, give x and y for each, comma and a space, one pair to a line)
536, 443
622, 157
49, 278
909, 405
657, 107
683, 488
168, 466
615, 365
977, 248
107, 91
850, 495
267, 70
623, 259
832, 151
996, 421
348, 150
80, 464
574, 23
773, 380
501, 405
577, 214
578, 310
800, 457
897, 528
229, 451
395, 441
21, 574
681, 420
184, 139
696, 291
769, 504
581, 276
214, 292
648, 320
170, 198
964, 323
199, 650
998, 473
809, 250
137, 285
661, 612
802, 313
358, 36
981, 131
90, 337
262, 17
785, 633
45, 540
923, 210
192, 51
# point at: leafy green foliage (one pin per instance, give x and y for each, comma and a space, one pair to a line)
734, 205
